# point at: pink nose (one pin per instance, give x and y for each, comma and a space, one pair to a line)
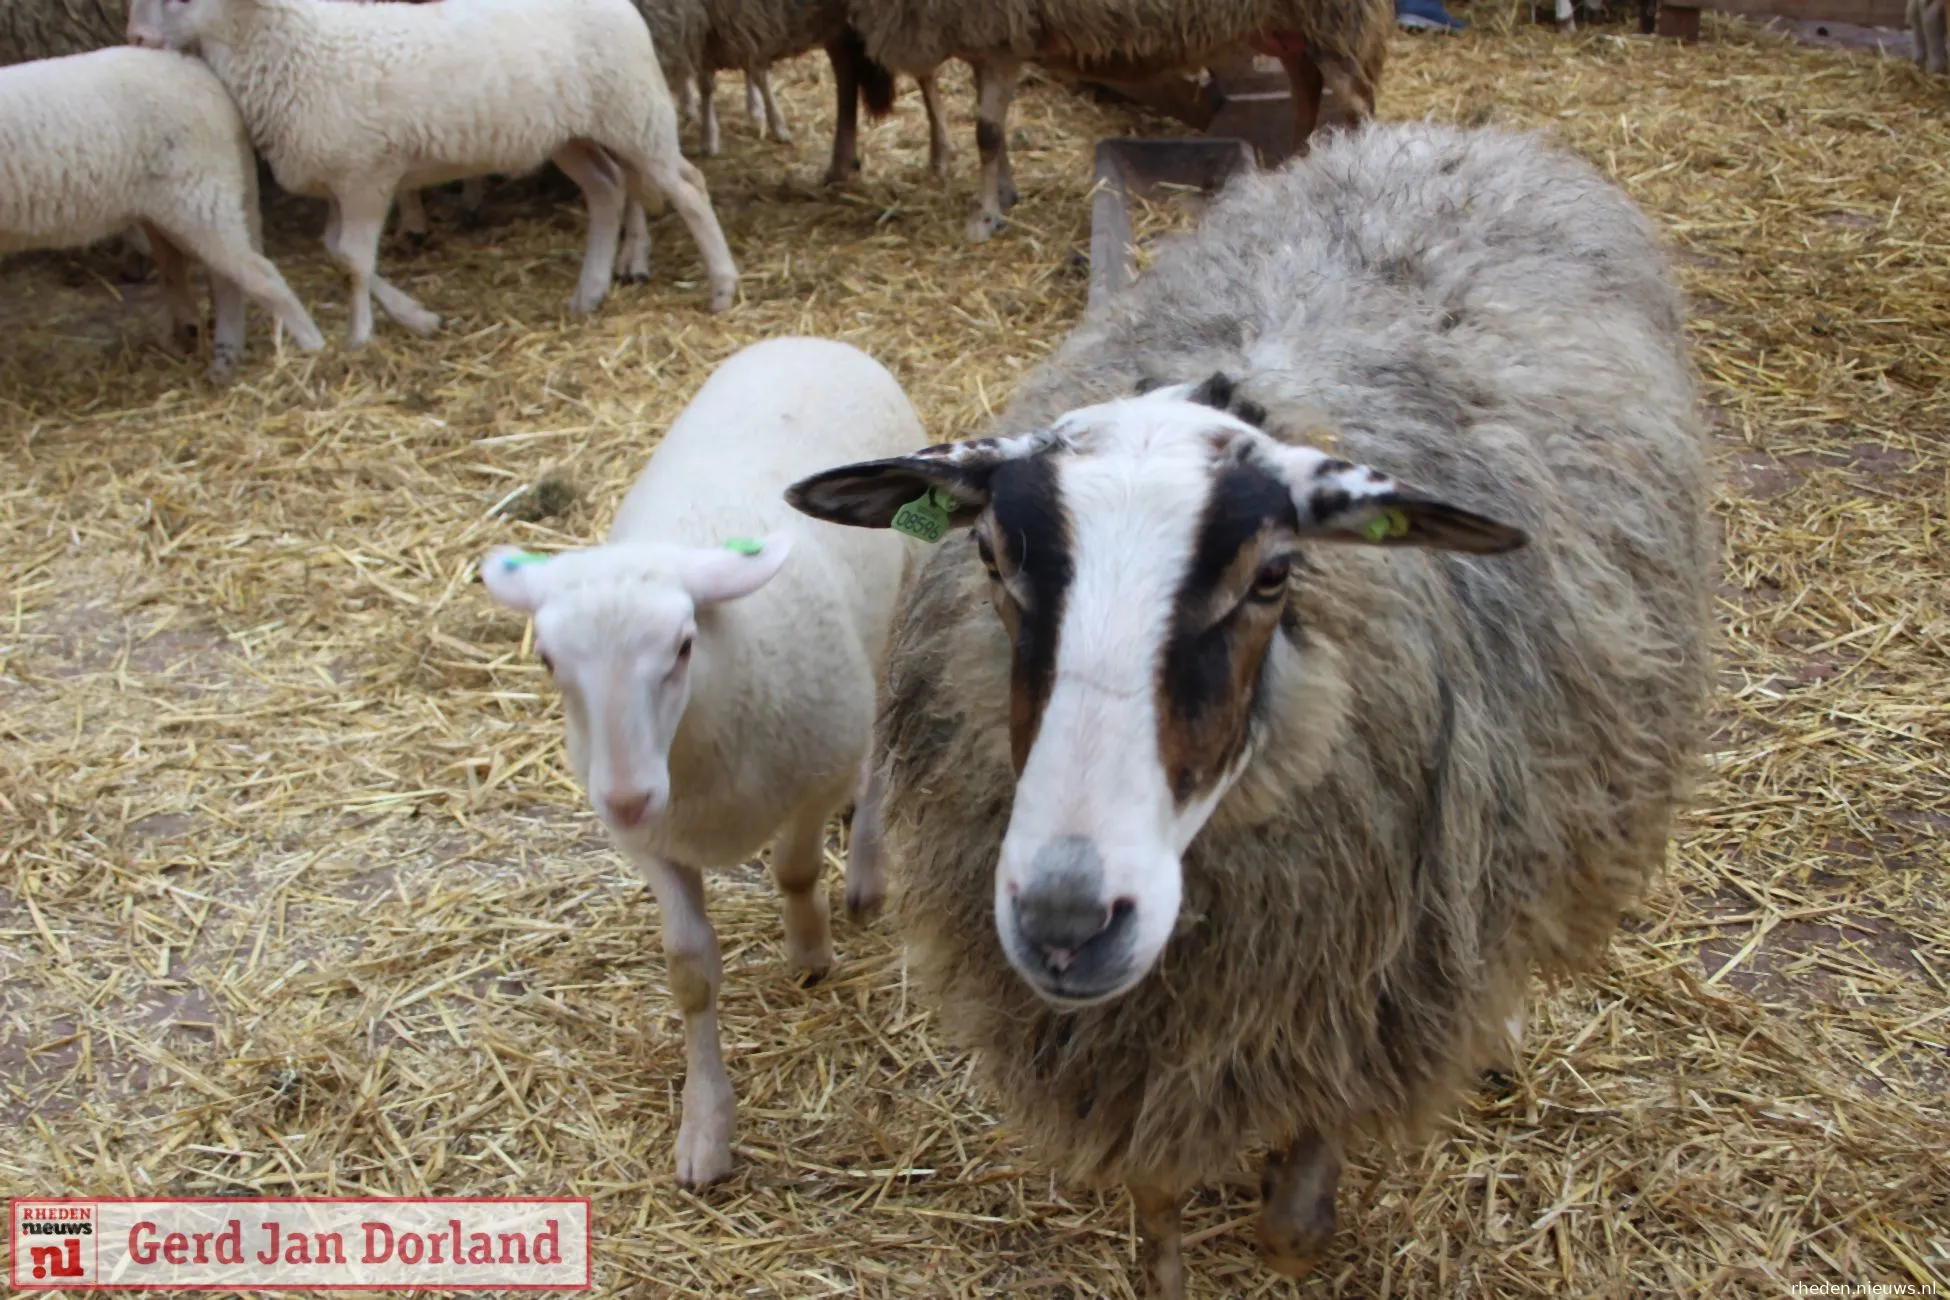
629, 808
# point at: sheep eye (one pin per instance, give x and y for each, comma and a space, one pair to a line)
987, 554
1269, 583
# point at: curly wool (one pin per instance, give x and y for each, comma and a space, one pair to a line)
1478, 769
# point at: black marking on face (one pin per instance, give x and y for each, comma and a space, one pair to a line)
1031, 530
1210, 669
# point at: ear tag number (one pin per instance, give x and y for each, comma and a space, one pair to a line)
927, 516
521, 559
743, 545
1386, 526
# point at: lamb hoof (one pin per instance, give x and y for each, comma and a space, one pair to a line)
632, 277
701, 1161
1498, 1081
838, 175
417, 240
722, 297
983, 226
581, 304
223, 366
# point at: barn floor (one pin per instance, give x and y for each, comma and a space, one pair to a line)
296, 897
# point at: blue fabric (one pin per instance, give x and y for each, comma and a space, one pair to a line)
1428, 15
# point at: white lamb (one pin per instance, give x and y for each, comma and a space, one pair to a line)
349, 102
92, 144
703, 720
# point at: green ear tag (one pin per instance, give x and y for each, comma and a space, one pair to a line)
521, 558
927, 516
1386, 526
743, 545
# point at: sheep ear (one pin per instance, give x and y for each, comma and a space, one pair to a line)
714, 575
925, 494
1342, 502
518, 579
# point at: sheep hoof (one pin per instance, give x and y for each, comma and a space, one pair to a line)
983, 225
417, 240
1296, 1213
840, 174
703, 1149
223, 366
631, 275
1498, 1081
581, 304
864, 900
1291, 1248
722, 297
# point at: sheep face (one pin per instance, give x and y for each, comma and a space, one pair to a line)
618, 628
168, 24
1139, 555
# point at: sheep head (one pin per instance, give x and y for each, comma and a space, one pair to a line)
1138, 554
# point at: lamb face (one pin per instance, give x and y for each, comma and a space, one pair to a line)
1138, 555
617, 628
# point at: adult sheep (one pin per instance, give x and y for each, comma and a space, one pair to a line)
351, 101
719, 692
98, 143
1247, 820
1333, 45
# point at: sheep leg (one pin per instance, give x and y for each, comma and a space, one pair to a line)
754, 105
227, 251
173, 270
1567, 19
473, 196
695, 972
602, 190
841, 53
413, 218
633, 264
1159, 1216
995, 85
941, 151
687, 100
707, 109
774, 119
1937, 60
359, 217
670, 172
866, 859
797, 857
1296, 1214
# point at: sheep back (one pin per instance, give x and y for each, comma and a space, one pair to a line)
47, 29
753, 33
787, 708
915, 36
1475, 767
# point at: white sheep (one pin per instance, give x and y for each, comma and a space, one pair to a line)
92, 144
351, 101
705, 720
1236, 787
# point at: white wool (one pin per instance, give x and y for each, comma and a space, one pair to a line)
95, 143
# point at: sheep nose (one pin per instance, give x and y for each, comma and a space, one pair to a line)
628, 808
1062, 908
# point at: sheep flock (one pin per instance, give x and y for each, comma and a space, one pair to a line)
1398, 753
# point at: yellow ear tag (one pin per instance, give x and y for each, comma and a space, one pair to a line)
927, 516
1386, 526
743, 545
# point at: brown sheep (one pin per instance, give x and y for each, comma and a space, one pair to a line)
1335, 45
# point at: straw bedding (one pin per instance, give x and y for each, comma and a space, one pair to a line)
297, 896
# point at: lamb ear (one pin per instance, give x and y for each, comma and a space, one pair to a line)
1342, 502
712, 575
949, 482
518, 579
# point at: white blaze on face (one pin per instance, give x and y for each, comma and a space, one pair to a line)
1089, 883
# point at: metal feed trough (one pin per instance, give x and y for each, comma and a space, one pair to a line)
1128, 169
